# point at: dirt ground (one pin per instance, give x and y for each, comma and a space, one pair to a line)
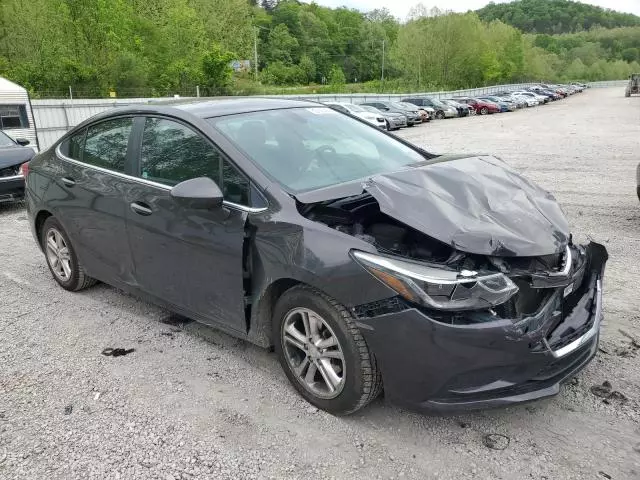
194, 403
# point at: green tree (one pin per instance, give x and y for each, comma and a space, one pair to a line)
216, 69
336, 76
281, 46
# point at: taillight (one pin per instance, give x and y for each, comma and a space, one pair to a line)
24, 169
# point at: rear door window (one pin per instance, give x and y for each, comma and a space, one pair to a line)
106, 144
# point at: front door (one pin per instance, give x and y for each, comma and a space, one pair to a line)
191, 258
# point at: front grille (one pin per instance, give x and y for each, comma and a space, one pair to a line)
9, 171
569, 337
380, 307
564, 364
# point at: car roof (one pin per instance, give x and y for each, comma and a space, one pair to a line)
200, 108
208, 108
218, 108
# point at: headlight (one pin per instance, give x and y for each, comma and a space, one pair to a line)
438, 288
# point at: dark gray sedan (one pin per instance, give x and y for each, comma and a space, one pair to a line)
364, 260
412, 114
14, 154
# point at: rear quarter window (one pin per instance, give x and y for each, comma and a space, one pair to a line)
72, 147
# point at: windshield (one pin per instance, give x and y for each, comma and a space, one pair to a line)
437, 102
5, 141
308, 148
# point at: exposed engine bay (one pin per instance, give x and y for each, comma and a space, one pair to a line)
537, 278
360, 216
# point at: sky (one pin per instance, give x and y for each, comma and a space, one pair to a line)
400, 8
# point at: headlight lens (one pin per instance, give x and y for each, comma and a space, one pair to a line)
436, 287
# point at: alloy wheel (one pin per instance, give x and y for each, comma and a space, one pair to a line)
484, 111
313, 352
440, 115
58, 255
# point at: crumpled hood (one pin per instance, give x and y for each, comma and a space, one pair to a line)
476, 205
10, 156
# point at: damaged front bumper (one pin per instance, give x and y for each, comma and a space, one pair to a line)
431, 363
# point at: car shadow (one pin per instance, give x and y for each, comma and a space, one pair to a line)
12, 207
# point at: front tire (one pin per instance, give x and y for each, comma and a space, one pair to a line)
62, 259
484, 111
323, 353
440, 115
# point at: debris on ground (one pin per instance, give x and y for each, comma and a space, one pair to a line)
606, 392
496, 441
630, 349
603, 390
604, 474
68, 409
117, 352
175, 319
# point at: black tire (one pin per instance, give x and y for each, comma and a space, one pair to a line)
388, 125
484, 111
440, 115
362, 379
78, 279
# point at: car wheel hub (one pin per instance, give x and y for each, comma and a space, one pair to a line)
58, 255
313, 353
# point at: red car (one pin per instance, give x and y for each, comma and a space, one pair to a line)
482, 107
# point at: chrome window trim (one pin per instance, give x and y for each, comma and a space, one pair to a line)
143, 181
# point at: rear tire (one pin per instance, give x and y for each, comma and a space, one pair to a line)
62, 259
301, 349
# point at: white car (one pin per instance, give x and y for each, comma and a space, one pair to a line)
531, 101
358, 111
540, 98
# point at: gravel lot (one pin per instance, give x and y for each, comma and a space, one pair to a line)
194, 403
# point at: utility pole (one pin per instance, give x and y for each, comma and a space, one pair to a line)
255, 51
382, 60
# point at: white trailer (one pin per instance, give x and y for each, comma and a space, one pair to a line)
16, 114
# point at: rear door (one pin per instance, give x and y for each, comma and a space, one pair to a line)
190, 258
86, 195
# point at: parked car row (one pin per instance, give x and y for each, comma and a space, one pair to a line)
410, 111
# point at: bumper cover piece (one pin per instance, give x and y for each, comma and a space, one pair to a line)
434, 366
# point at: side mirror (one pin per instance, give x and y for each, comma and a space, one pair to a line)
201, 193
22, 141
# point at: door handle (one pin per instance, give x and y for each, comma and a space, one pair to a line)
68, 181
141, 208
